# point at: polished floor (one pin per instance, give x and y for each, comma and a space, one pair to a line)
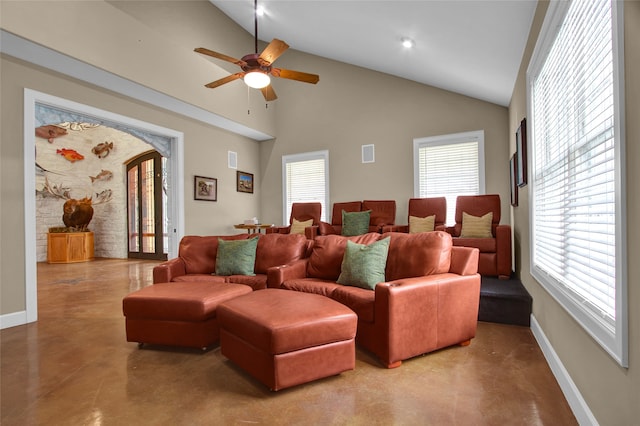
74, 367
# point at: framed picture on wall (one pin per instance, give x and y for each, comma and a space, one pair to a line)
205, 188
513, 176
244, 182
521, 153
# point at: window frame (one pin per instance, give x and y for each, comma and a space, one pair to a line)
450, 139
304, 156
615, 342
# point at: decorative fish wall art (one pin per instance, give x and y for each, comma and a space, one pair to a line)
70, 154
50, 132
104, 175
102, 149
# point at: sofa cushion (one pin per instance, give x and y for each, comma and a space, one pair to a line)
279, 249
326, 256
199, 253
421, 224
355, 223
311, 285
359, 300
236, 257
298, 227
476, 227
364, 265
414, 255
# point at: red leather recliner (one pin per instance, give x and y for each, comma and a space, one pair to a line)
383, 213
301, 212
423, 207
495, 252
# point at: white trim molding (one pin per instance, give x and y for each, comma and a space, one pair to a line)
569, 389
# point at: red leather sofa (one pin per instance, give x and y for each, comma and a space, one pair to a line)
429, 301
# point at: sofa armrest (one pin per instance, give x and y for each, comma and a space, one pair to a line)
451, 230
418, 315
166, 271
325, 228
503, 251
278, 230
311, 232
276, 275
464, 260
395, 228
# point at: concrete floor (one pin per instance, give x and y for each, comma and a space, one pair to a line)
74, 367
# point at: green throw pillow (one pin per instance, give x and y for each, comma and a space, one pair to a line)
355, 223
236, 257
363, 266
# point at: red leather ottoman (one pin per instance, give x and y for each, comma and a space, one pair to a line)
177, 313
285, 338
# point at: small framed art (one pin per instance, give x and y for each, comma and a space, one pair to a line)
205, 188
513, 175
244, 182
521, 152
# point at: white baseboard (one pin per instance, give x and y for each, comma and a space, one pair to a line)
569, 389
13, 319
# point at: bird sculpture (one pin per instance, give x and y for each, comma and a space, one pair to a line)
77, 213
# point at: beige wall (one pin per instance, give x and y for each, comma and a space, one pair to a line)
351, 106
611, 392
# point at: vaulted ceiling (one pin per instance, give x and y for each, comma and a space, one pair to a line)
471, 47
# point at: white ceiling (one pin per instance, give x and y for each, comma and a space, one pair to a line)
472, 47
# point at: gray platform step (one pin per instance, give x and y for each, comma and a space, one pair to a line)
504, 301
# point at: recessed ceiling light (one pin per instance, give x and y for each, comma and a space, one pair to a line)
407, 42
260, 10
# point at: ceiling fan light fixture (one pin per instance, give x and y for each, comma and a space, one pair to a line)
257, 79
407, 42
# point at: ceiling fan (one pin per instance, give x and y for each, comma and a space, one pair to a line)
256, 68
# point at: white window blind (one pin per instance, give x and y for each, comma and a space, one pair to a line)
448, 166
305, 179
575, 196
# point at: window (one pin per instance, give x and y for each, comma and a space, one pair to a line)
305, 178
577, 192
449, 165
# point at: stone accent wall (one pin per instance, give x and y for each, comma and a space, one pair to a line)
109, 222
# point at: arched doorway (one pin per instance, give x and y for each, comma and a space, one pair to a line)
147, 232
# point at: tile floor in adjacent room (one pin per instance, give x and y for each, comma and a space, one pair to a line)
74, 367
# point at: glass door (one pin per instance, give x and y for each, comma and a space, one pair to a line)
146, 207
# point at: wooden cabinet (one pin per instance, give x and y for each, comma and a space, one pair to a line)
69, 247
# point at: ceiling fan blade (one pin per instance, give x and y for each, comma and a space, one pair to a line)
268, 93
272, 52
217, 55
225, 80
295, 75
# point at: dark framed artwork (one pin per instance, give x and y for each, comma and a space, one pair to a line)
205, 188
244, 182
521, 153
513, 175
